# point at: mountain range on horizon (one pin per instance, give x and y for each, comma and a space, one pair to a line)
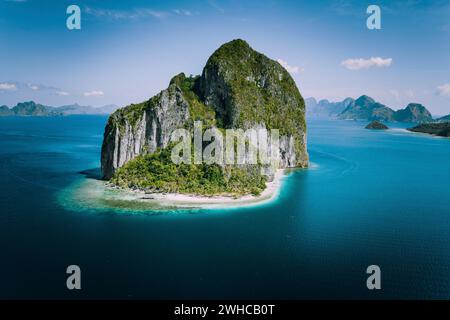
366, 108
325, 108
31, 108
363, 108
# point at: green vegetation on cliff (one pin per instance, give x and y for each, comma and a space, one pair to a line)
198, 111
157, 173
131, 114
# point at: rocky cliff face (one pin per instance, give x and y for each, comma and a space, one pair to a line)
142, 128
238, 88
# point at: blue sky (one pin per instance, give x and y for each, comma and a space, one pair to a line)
127, 51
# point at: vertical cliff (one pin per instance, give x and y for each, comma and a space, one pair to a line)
142, 128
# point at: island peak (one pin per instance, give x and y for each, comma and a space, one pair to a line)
376, 125
239, 88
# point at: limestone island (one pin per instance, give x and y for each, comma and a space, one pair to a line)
239, 88
366, 108
376, 125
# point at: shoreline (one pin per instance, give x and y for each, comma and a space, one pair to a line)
417, 133
271, 191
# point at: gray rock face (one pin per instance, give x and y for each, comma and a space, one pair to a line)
288, 156
125, 138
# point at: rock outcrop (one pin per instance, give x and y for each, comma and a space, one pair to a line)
238, 88
376, 125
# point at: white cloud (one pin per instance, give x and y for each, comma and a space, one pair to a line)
25, 88
358, 64
95, 93
444, 90
6, 86
126, 15
214, 4
290, 69
183, 12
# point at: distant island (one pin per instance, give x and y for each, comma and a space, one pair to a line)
239, 88
366, 108
444, 119
441, 129
30, 108
326, 109
376, 125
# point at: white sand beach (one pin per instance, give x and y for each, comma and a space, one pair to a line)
99, 195
186, 200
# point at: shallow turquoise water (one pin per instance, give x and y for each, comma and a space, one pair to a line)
369, 198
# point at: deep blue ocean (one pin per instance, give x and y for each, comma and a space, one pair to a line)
370, 197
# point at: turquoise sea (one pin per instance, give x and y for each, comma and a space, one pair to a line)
370, 197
